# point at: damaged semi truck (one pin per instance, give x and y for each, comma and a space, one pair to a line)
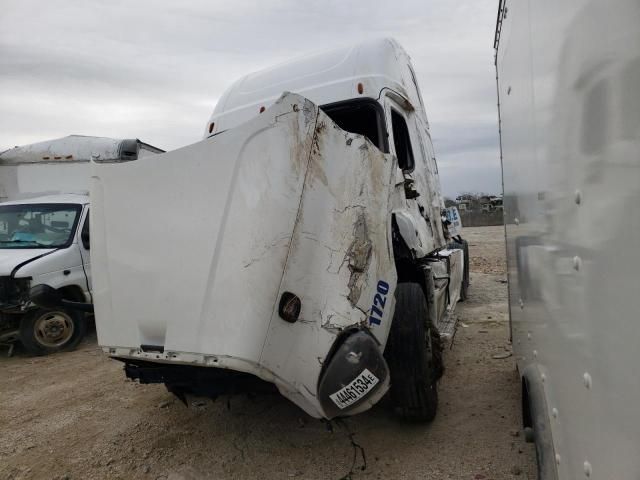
301, 244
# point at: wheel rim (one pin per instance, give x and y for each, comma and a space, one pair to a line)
53, 329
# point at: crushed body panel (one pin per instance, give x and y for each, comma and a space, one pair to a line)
238, 219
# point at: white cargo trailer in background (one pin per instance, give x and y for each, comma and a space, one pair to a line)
44, 235
300, 243
569, 102
61, 165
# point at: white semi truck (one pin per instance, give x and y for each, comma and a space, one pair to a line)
568, 79
300, 244
44, 236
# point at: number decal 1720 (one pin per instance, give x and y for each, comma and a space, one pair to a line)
379, 301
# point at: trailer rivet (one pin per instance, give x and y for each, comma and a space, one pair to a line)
554, 412
558, 459
587, 380
535, 353
577, 263
587, 469
578, 197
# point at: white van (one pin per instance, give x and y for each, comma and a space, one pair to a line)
300, 243
44, 239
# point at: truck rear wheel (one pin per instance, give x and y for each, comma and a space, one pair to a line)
50, 330
410, 356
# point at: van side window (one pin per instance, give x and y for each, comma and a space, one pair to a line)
402, 141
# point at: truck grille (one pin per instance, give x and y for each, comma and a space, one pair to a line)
13, 291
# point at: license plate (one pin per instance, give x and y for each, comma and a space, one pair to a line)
356, 389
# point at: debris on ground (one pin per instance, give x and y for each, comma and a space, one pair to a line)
69, 414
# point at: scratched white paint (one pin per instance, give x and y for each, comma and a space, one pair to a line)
226, 258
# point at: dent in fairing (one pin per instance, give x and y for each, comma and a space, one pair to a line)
358, 256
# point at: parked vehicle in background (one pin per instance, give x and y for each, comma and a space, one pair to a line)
44, 235
300, 243
568, 76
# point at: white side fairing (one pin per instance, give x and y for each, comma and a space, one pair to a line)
287, 202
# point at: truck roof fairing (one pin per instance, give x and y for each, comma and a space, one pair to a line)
324, 77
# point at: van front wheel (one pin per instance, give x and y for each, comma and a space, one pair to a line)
50, 330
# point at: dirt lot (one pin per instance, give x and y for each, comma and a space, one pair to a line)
74, 416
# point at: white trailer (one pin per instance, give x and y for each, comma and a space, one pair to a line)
44, 235
568, 77
294, 243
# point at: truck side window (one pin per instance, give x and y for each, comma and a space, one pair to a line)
402, 141
84, 234
362, 116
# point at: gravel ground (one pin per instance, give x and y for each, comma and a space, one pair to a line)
75, 416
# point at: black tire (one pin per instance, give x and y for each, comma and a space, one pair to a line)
464, 246
49, 330
409, 353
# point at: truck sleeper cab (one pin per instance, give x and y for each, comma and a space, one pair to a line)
298, 235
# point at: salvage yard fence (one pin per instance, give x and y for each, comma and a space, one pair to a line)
481, 219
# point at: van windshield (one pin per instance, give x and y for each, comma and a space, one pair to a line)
33, 225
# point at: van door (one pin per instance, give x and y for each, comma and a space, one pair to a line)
406, 146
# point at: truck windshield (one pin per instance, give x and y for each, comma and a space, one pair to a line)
33, 225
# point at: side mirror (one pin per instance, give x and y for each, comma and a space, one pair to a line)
84, 234
45, 296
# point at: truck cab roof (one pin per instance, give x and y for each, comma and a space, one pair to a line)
360, 71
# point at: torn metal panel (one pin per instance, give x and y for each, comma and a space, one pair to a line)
358, 255
339, 252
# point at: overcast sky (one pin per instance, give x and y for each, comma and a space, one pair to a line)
155, 69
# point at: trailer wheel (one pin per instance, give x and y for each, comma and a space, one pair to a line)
50, 330
410, 356
464, 246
